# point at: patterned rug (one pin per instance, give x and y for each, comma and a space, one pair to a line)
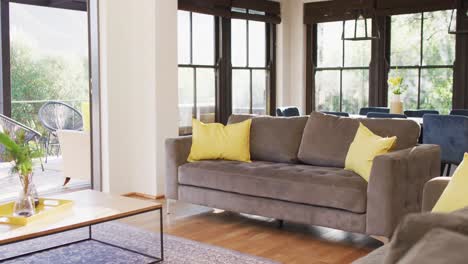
176, 250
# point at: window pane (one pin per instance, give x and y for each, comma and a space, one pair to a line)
185, 99
206, 95
327, 93
329, 44
355, 90
183, 34
439, 46
406, 40
410, 80
358, 53
239, 42
436, 89
257, 44
259, 92
240, 91
203, 39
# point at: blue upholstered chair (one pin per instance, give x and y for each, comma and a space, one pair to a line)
287, 111
336, 113
450, 132
460, 112
384, 115
365, 110
420, 113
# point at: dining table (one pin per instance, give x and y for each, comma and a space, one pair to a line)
418, 120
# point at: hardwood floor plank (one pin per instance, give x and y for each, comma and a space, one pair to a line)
294, 243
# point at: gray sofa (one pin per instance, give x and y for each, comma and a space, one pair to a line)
429, 238
297, 174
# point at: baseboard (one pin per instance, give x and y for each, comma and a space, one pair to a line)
143, 195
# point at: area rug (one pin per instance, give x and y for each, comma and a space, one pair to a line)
176, 250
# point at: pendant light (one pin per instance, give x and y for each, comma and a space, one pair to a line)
454, 27
361, 28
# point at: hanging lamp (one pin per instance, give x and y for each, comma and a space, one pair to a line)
361, 21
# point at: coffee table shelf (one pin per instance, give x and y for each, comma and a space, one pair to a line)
89, 208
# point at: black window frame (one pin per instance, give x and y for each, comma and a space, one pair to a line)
381, 11
421, 66
223, 62
195, 67
267, 68
341, 68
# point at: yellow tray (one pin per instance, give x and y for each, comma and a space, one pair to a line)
45, 208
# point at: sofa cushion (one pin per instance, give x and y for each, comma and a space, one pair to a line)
320, 186
275, 139
327, 138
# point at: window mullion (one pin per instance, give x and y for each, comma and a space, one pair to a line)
191, 38
421, 52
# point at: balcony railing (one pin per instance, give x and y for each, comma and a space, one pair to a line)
26, 111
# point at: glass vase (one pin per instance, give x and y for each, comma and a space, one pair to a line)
32, 187
25, 204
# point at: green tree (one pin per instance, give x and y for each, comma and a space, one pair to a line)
42, 78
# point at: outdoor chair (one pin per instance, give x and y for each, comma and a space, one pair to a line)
56, 116
13, 127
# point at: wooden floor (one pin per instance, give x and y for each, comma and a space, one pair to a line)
294, 243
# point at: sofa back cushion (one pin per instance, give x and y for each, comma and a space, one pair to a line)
327, 138
275, 139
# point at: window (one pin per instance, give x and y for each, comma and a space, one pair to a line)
197, 81
249, 66
342, 72
423, 52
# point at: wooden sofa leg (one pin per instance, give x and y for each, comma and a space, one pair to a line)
168, 206
280, 223
382, 239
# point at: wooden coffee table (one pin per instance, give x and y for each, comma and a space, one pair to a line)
89, 208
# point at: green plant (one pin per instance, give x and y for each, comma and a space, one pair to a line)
397, 85
19, 152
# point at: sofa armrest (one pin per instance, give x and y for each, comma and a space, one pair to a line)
396, 185
177, 152
432, 192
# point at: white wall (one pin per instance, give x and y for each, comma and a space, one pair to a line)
291, 55
139, 92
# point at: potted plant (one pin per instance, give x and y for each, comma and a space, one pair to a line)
21, 154
397, 86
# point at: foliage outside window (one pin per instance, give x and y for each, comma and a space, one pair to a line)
423, 52
197, 83
49, 61
342, 72
249, 66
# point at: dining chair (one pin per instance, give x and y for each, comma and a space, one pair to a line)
460, 112
450, 132
344, 114
420, 113
365, 110
287, 111
384, 115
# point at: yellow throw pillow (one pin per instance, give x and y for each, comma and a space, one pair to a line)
216, 141
455, 195
365, 147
